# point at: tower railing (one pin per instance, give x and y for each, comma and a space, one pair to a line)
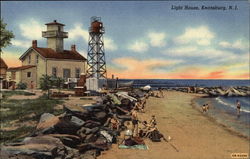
54, 33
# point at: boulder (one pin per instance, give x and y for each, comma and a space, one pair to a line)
221, 92
65, 126
91, 124
78, 122
46, 124
90, 138
38, 147
101, 116
77, 111
68, 140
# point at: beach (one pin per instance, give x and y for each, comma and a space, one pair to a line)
193, 133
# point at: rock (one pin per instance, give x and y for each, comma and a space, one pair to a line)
114, 99
125, 102
77, 121
108, 137
90, 138
221, 92
46, 116
124, 117
77, 111
101, 116
68, 140
66, 127
38, 147
47, 123
91, 124
213, 93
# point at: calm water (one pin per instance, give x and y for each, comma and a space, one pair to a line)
155, 83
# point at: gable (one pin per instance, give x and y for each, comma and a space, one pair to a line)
28, 52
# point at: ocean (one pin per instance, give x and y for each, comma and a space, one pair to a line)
222, 109
164, 83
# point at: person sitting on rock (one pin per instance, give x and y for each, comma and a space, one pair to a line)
134, 117
114, 123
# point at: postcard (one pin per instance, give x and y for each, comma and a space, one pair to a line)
125, 79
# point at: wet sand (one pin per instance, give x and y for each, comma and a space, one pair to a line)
194, 134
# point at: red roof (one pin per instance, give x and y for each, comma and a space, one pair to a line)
3, 64
55, 23
66, 54
21, 67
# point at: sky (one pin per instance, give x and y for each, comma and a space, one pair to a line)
143, 39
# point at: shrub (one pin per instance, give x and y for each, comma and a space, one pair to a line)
21, 85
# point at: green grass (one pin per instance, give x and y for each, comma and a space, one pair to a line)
7, 94
20, 110
15, 135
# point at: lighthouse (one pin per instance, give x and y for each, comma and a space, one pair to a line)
96, 72
55, 36
96, 54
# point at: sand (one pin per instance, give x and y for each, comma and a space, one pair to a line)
193, 133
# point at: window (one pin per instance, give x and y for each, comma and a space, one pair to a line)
28, 74
37, 58
77, 72
29, 58
66, 73
54, 71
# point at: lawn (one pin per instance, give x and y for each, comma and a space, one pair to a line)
16, 112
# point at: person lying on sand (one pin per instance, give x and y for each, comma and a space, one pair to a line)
153, 122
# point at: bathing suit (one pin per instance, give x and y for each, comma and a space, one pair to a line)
134, 122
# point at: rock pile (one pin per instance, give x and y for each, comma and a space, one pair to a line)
81, 132
240, 91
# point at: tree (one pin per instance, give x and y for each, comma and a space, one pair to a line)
46, 83
59, 82
6, 36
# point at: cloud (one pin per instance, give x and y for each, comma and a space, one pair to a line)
201, 36
22, 44
182, 51
138, 46
238, 44
32, 29
128, 67
157, 39
109, 44
78, 32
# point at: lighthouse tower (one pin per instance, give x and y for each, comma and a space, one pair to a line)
96, 72
96, 56
55, 36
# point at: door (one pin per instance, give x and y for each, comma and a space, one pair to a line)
66, 74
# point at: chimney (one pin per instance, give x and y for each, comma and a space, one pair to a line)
73, 47
34, 43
